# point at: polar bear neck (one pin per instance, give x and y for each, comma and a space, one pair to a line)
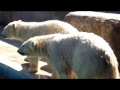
41, 48
42, 42
23, 34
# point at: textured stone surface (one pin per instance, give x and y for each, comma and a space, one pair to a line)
106, 25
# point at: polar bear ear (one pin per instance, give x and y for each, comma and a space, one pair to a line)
14, 26
20, 20
34, 45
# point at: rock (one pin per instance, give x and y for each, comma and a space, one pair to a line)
106, 25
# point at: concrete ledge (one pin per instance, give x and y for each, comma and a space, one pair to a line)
106, 25
11, 70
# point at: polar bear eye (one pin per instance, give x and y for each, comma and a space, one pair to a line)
23, 46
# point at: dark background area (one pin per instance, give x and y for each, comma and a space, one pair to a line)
8, 16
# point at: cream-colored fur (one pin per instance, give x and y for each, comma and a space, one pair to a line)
82, 56
22, 31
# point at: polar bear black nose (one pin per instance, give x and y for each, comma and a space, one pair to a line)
20, 52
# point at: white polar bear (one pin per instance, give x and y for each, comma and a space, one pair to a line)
22, 31
83, 55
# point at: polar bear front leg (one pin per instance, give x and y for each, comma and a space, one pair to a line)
67, 75
55, 74
63, 74
34, 65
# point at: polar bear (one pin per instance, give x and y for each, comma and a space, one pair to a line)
20, 30
74, 56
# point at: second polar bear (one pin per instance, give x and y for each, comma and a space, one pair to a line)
20, 30
83, 55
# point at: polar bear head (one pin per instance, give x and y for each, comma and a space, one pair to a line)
10, 29
28, 48
37, 45
34, 46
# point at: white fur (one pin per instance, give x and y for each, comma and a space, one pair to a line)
26, 30
86, 54
22, 31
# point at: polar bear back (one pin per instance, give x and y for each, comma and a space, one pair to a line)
30, 29
50, 26
85, 53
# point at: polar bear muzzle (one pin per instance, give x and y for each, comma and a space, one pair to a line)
20, 52
2, 35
